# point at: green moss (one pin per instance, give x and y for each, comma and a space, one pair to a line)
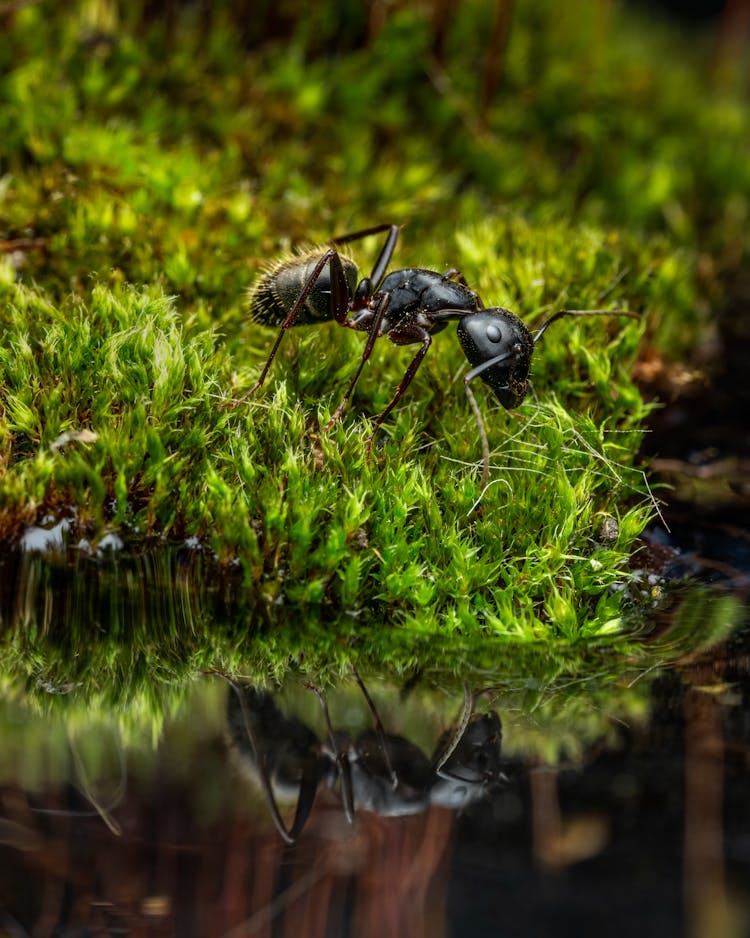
144, 183
109, 407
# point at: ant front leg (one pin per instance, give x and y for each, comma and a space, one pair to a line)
339, 305
515, 353
308, 781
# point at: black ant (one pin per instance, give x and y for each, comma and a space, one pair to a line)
409, 306
376, 772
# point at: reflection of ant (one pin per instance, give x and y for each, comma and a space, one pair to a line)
377, 772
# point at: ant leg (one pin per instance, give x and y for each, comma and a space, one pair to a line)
404, 336
379, 728
340, 301
364, 233
340, 296
482, 436
308, 783
478, 414
373, 333
342, 760
384, 258
455, 274
386, 252
367, 286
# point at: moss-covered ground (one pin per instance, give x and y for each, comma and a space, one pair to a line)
146, 175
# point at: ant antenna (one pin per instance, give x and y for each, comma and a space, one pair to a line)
582, 312
458, 735
478, 414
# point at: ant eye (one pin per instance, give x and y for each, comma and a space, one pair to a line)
493, 333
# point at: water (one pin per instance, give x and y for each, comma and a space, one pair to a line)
542, 790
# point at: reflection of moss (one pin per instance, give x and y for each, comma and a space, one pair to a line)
702, 620
71, 732
127, 640
180, 166
132, 681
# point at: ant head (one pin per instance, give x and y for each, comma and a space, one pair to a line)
473, 768
499, 347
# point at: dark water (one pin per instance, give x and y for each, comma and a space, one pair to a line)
558, 791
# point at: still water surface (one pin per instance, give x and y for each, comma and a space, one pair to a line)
530, 791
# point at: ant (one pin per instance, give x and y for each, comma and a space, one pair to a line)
376, 772
409, 306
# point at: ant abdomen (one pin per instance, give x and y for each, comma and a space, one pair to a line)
275, 293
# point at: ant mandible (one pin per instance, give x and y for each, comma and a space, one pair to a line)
409, 306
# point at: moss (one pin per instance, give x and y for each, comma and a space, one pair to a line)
110, 409
145, 183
